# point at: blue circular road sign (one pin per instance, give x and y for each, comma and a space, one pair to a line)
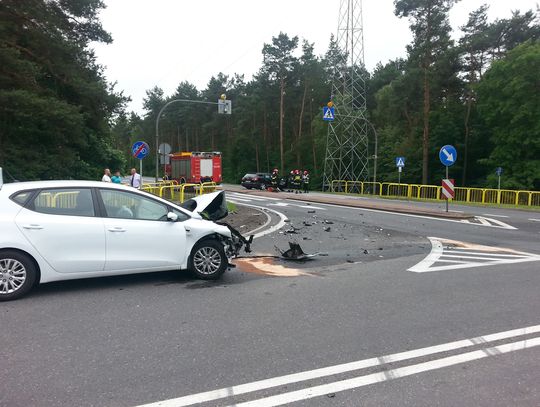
448, 155
140, 150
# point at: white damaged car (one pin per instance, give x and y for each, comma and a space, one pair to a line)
64, 230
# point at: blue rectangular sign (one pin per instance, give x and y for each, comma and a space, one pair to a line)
400, 162
328, 114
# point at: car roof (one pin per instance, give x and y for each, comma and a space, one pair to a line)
20, 186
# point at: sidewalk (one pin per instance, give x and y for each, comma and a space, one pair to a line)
354, 202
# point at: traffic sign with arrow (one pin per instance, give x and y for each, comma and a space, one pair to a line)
448, 155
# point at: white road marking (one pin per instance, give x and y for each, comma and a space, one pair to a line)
282, 222
450, 210
495, 216
284, 204
235, 198
498, 224
494, 223
480, 220
387, 375
311, 207
534, 220
227, 392
254, 197
431, 258
469, 255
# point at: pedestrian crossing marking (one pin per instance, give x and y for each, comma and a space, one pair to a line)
449, 254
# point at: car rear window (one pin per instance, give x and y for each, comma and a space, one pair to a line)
249, 176
21, 197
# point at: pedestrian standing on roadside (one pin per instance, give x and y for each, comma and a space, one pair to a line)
116, 178
135, 179
106, 175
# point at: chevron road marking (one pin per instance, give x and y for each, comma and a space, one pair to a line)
494, 223
449, 254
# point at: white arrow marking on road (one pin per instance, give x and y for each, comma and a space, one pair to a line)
494, 223
449, 156
359, 381
463, 255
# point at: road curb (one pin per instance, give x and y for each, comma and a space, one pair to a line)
352, 203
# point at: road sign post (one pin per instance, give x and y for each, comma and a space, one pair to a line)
499, 172
164, 151
447, 189
448, 156
140, 150
400, 163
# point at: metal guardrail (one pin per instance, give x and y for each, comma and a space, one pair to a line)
179, 192
433, 192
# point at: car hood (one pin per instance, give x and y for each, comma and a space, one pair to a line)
212, 206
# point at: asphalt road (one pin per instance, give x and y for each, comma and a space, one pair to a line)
127, 341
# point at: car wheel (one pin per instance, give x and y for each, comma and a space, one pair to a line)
17, 275
208, 260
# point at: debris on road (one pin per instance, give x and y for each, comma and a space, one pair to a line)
295, 252
327, 229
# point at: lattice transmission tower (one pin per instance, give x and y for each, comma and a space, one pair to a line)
347, 142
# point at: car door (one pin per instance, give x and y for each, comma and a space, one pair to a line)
138, 233
60, 223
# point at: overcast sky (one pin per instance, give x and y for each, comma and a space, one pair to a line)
164, 42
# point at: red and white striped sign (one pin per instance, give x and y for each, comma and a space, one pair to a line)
448, 188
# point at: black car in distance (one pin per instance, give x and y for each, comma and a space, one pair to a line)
259, 180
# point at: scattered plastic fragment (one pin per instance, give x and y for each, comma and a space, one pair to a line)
295, 252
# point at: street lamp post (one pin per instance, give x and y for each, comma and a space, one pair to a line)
184, 101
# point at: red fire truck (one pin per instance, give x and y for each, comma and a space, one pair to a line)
191, 167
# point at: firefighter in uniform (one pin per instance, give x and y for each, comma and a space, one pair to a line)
290, 181
274, 180
305, 182
297, 180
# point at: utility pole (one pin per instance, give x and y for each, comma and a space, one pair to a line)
347, 141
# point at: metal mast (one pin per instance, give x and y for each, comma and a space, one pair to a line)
347, 142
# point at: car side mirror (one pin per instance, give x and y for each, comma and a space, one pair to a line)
171, 216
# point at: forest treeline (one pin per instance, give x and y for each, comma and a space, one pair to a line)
60, 118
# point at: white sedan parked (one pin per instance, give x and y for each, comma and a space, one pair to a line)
63, 230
